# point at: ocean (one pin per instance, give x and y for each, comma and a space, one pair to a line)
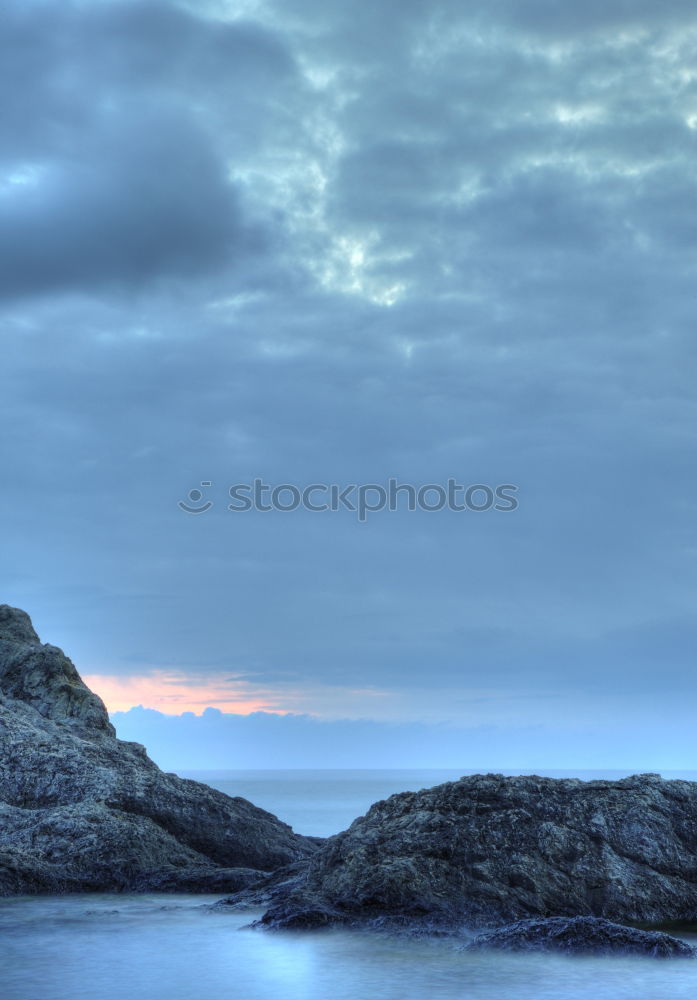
174, 947
324, 802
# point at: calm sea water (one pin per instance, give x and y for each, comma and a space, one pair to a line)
325, 802
123, 947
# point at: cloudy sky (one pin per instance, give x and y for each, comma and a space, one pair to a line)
322, 242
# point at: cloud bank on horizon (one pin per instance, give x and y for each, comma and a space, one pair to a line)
320, 245
222, 741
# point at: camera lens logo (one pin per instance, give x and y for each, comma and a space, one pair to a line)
195, 498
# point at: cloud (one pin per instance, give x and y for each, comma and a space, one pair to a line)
310, 246
173, 693
146, 201
566, 21
124, 122
219, 741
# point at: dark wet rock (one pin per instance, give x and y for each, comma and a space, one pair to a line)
308, 915
199, 879
280, 884
81, 810
582, 936
488, 850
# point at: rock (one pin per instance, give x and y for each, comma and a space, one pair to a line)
43, 676
82, 810
16, 626
487, 850
582, 936
199, 879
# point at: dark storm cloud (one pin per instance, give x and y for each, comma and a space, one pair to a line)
66, 66
397, 240
147, 199
113, 169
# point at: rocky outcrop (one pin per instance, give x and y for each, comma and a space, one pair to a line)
487, 850
82, 810
42, 676
582, 936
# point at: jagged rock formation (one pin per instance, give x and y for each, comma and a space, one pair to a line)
487, 850
582, 936
43, 676
81, 810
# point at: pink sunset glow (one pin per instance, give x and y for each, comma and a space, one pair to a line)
173, 694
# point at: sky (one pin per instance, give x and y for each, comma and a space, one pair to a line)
332, 243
